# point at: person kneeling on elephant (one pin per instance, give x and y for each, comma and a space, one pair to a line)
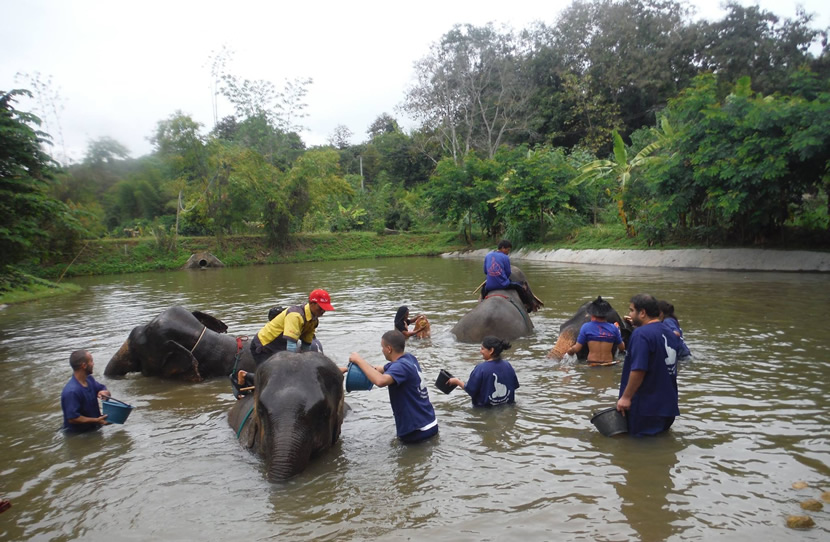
497, 270
599, 335
297, 323
408, 394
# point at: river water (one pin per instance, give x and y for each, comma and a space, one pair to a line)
754, 418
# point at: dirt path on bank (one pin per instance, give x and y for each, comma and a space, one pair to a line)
719, 258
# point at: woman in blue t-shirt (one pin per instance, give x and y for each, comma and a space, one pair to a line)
670, 320
493, 382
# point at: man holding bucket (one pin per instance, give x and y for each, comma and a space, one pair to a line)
79, 398
648, 388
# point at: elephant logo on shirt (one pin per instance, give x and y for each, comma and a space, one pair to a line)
671, 358
500, 392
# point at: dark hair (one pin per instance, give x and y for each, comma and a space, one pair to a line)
496, 344
395, 339
667, 309
504, 243
78, 358
646, 302
400, 318
599, 308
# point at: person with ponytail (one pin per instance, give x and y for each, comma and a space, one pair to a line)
493, 382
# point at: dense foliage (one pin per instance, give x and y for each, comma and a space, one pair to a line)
621, 111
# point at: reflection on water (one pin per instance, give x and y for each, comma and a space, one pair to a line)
754, 416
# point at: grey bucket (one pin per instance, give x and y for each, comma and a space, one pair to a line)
609, 422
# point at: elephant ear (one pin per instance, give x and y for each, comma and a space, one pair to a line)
179, 363
211, 322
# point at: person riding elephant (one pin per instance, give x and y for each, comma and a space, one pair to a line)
499, 277
501, 313
181, 344
569, 332
297, 323
294, 414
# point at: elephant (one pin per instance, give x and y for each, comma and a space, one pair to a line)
501, 313
184, 345
569, 331
295, 413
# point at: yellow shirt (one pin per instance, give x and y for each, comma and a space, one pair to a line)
291, 325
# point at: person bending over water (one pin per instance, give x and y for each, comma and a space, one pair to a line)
493, 382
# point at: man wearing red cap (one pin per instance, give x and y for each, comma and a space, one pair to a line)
297, 323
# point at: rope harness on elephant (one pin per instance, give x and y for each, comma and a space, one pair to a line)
239, 340
198, 340
525, 317
244, 421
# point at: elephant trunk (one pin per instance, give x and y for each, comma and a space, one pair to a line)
287, 447
567, 338
122, 362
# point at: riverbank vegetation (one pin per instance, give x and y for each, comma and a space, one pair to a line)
624, 121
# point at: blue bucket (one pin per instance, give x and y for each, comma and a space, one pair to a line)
116, 411
356, 380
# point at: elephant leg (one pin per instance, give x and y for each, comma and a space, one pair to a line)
180, 363
567, 338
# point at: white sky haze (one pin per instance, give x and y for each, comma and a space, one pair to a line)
119, 66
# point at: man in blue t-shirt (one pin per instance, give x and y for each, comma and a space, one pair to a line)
497, 272
648, 388
79, 398
414, 416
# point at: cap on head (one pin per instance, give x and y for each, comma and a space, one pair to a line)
322, 298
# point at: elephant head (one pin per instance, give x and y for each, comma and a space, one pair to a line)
501, 313
295, 413
569, 331
181, 344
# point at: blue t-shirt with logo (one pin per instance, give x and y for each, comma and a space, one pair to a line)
492, 383
497, 269
599, 331
409, 396
77, 400
672, 324
653, 348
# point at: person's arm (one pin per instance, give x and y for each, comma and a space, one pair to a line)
456, 382
635, 379
575, 349
376, 377
292, 327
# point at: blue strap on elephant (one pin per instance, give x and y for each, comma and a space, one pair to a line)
244, 421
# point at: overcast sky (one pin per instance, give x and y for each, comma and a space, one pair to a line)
119, 67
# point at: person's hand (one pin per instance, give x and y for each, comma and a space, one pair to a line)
102, 420
344, 369
104, 393
354, 356
623, 405
455, 382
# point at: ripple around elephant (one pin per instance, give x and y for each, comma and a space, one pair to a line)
569, 331
501, 313
295, 413
183, 345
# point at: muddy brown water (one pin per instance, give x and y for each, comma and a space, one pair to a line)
754, 404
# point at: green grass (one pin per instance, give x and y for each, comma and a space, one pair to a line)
17, 287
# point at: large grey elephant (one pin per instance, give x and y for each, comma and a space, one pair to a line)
183, 345
501, 313
294, 414
569, 331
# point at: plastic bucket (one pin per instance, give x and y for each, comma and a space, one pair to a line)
441, 382
116, 412
610, 422
356, 380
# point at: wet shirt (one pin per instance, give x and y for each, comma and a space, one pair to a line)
77, 400
492, 383
684, 352
497, 269
409, 396
293, 323
605, 332
653, 348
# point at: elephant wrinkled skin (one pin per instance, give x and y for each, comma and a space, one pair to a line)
295, 413
183, 345
501, 314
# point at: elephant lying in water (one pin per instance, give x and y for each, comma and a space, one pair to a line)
294, 414
501, 314
183, 345
569, 331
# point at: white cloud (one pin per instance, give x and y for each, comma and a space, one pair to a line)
121, 67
